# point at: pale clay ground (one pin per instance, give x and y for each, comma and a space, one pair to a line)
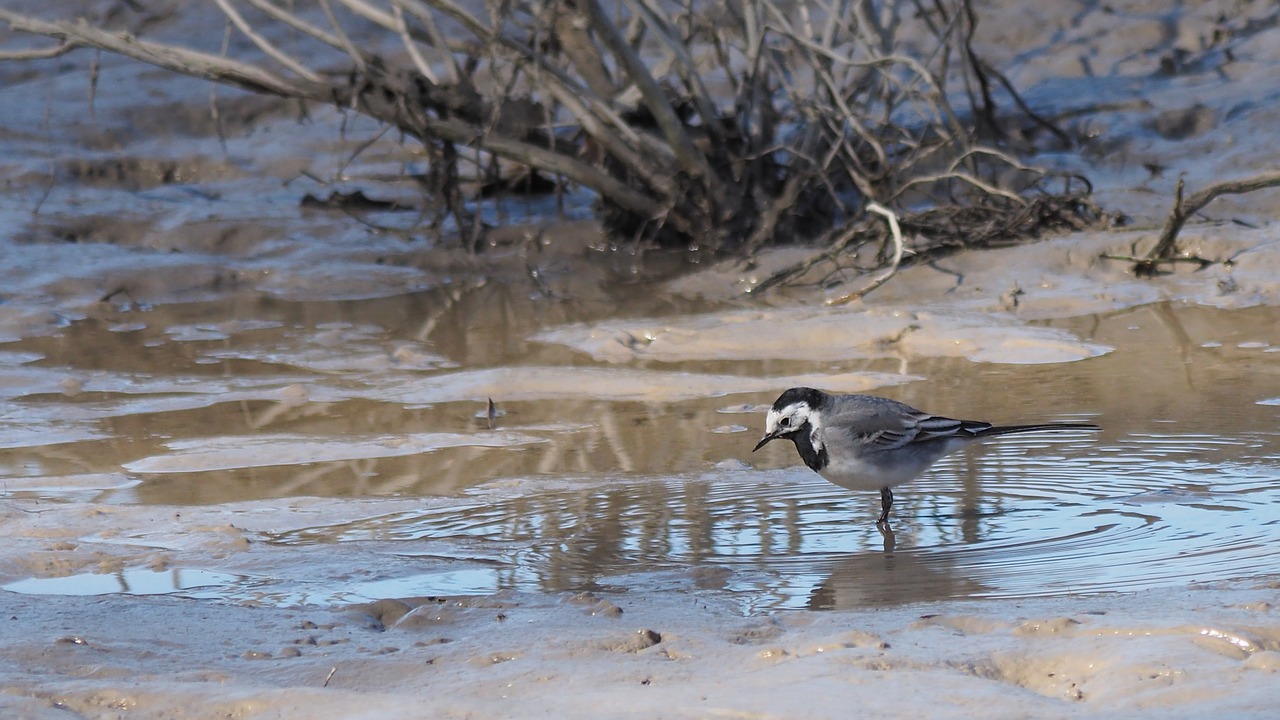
1185, 652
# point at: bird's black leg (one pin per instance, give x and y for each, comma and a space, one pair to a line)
886, 502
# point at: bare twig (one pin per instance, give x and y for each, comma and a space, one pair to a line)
190, 62
371, 13
832, 250
288, 18
411, 47
598, 120
1166, 247
655, 100
686, 67
419, 11
895, 236
263, 44
350, 47
982, 185
61, 48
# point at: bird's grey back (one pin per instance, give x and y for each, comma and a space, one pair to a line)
868, 412
850, 421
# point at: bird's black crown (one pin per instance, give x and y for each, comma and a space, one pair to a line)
809, 396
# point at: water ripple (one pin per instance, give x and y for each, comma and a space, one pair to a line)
1067, 518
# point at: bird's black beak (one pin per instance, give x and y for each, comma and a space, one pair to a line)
765, 441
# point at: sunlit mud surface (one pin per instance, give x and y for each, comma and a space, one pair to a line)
638, 477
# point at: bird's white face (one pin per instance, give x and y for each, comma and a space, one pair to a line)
779, 423
787, 421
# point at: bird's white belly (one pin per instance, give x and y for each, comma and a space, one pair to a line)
857, 474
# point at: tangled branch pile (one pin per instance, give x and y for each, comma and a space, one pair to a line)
725, 125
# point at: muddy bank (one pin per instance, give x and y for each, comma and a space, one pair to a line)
670, 655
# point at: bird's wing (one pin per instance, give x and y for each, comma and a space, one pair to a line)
935, 427
890, 431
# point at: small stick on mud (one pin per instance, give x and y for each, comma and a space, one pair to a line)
492, 414
895, 235
1166, 246
329, 677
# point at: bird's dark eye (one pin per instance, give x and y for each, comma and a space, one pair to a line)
785, 422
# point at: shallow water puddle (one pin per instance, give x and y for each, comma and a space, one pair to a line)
1077, 523
1067, 519
207, 584
636, 476
133, 581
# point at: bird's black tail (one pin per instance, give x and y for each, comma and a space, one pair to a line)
1041, 427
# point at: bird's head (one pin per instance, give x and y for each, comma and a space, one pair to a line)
790, 414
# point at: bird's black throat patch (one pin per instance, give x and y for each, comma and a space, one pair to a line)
815, 458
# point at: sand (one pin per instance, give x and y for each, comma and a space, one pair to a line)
665, 649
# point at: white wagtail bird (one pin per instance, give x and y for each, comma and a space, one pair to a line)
863, 442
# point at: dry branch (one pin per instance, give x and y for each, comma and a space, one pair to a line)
728, 127
39, 54
263, 44
693, 161
189, 62
895, 236
1166, 247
